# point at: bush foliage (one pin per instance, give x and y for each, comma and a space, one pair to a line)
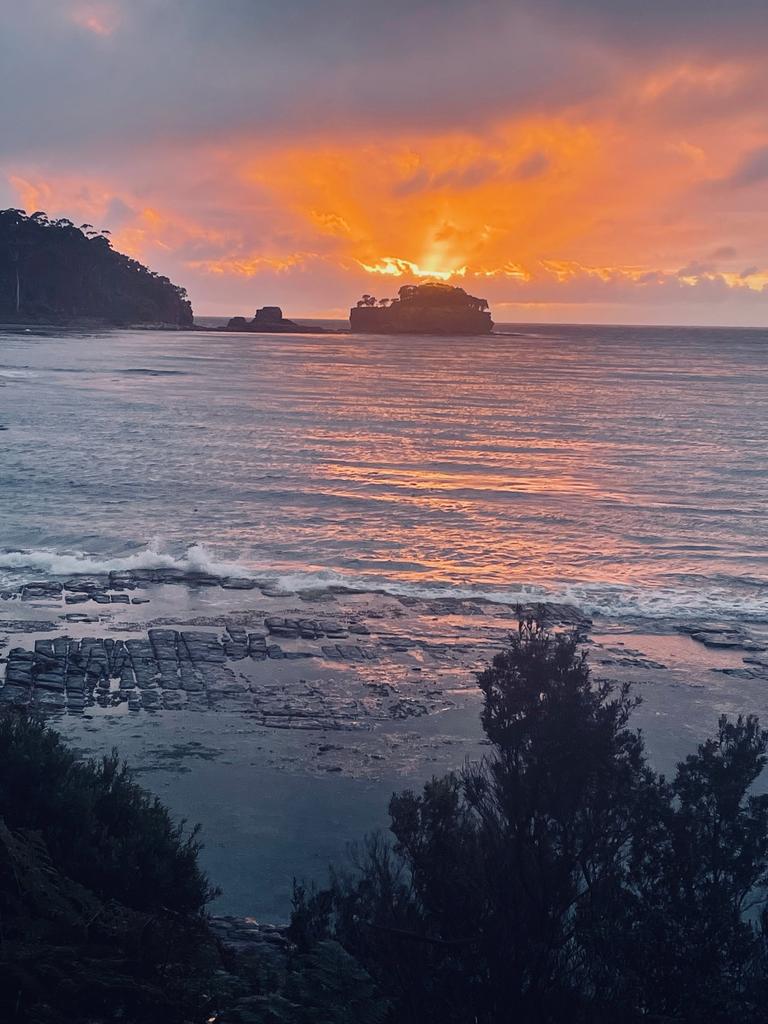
100, 893
562, 879
100, 828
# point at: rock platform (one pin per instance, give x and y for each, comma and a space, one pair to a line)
269, 716
308, 660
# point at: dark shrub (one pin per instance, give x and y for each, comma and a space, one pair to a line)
100, 893
100, 827
561, 879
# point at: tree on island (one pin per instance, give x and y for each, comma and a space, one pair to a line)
562, 879
437, 294
430, 308
51, 269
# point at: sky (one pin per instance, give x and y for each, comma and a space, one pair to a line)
598, 161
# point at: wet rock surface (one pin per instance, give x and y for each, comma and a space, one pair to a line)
247, 936
723, 635
375, 671
269, 716
347, 670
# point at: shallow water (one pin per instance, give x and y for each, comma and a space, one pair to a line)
623, 468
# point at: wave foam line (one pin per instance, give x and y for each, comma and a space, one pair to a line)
195, 559
609, 600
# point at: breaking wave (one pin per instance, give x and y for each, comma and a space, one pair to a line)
611, 601
618, 602
52, 563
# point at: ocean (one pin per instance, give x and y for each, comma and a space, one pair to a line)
622, 469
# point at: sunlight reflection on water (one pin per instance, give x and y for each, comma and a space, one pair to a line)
611, 464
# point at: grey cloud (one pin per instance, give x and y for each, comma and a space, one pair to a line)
531, 167
184, 68
664, 24
472, 175
456, 178
118, 212
172, 64
723, 252
419, 181
752, 169
695, 268
178, 69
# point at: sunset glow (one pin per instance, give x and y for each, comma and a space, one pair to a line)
637, 194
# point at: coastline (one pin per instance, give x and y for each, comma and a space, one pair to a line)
268, 715
415, 488
76, 324
81, 323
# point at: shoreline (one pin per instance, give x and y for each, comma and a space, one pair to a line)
76, 324
270, 716
641, 605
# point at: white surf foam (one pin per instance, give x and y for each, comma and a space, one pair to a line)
8, 374
608, 600
52, 563
614, 601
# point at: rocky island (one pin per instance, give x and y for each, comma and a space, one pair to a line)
431, 308
54, 272
269, 320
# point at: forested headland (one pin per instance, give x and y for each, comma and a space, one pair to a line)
54, 271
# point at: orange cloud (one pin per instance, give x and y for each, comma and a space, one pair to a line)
618, 201
251, 266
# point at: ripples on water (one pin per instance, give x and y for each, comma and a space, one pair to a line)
625, 468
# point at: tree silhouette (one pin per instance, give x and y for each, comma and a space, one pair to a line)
55, 269
561, 878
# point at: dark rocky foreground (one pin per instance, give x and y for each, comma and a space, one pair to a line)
270, 717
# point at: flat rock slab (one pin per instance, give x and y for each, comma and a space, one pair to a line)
210, 670
262, 653
41, 591
27, 626
728, 639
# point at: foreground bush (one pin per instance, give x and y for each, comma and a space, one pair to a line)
101, 902
100, 827
562, 880
100, 893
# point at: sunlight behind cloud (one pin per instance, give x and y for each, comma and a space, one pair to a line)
100, 19
644, 191
393, 267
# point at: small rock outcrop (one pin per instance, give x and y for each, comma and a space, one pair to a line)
269, 320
